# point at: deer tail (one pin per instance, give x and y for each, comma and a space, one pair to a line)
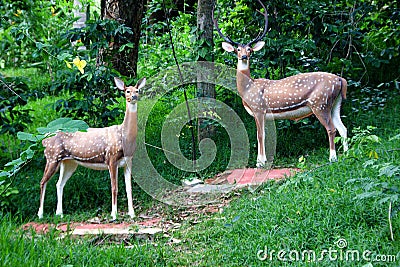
343, 87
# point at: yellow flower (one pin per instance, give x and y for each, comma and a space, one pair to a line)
81, 64
373, 154
19, 12
68, 64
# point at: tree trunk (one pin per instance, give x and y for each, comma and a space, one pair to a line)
130, 13
206, 44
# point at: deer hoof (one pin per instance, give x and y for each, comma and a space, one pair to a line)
260, 164
332, 156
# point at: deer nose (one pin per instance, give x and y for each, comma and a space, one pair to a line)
244, 57
134, 97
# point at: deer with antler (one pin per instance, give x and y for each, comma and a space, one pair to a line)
99, 148
294, 97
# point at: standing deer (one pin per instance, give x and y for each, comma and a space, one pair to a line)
294, 98
99, 148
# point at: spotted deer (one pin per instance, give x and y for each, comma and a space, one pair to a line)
106, 148
294, 97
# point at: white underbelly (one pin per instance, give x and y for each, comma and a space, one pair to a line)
102, 166
290, 114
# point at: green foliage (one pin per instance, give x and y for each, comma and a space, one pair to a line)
92, 92
384, 186
155, 52
13, 93
381, 191
29, 27
40, 32
363, 143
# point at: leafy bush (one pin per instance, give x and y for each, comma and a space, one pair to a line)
14, 92
155, 53
91, 90
384, 187
40, 32
29, 25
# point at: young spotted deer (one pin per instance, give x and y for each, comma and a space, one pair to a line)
106, 148
294, 98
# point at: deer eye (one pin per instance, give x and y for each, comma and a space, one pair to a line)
248, 49
128, 91
239, 49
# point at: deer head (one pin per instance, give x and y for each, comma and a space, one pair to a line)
243, 51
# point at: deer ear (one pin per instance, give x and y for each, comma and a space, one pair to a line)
119, 83
227, 47
141, 83
258, 45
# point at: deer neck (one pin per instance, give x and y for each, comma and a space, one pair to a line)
243, 77
129, 129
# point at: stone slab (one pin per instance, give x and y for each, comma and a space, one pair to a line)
115, 231
210, 188
258, 176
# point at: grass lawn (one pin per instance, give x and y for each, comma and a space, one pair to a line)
312, 219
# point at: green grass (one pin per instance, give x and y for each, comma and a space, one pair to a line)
310, 211
46, 115
307, 212
36, 78
49, 250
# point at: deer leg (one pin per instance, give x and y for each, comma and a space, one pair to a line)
338, 122
324, 116
128, 184
260, 120
67, 168
49, 170
113, 169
